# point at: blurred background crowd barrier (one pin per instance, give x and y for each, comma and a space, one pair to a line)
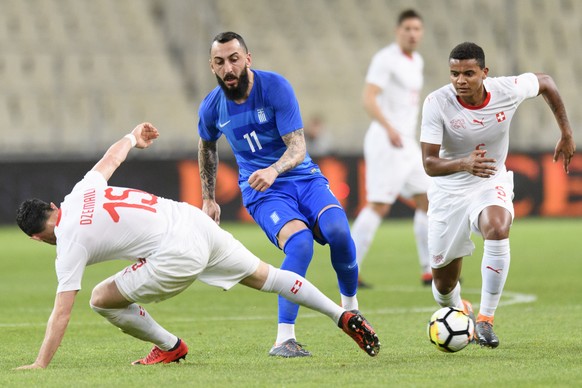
541, 186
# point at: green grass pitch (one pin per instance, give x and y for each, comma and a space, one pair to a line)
230, 333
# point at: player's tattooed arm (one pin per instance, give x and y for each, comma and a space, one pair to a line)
295, 153
208, 164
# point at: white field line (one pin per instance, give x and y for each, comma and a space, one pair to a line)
509, 298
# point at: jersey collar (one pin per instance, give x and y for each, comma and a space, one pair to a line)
475, 107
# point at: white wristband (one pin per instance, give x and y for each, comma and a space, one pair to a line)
132, 139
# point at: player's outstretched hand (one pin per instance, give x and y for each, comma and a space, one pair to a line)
565, 147
31, 366
145, 134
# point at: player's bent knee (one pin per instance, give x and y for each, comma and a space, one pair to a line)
96, 297
498, 232
290, 229
300, 242
106, 295
334, 226
258, 278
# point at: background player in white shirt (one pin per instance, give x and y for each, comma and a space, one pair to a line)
393, 159
464, 141
171, 244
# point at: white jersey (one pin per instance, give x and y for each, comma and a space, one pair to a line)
400, 78
99, 223
460, 129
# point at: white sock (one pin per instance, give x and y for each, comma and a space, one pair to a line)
285, 331
494, 269
135, 321
421, 234
363, 231
452, 299
349, 302
300, 290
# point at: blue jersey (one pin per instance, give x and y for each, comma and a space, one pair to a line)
254, 129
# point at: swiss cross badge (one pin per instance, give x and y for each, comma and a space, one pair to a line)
500, 117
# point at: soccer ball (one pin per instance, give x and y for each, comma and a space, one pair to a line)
450, 329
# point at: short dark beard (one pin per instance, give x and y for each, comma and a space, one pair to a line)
240, 91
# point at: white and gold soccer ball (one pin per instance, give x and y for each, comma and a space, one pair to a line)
450, 329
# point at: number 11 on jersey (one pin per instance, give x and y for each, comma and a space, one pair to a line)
250, 137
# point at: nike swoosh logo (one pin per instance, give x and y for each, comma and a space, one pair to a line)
222, 125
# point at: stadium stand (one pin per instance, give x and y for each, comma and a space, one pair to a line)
75, 73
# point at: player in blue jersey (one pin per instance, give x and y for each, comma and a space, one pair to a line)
283, 190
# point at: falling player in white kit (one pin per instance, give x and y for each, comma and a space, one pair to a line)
393, 163
171, 244
464, 140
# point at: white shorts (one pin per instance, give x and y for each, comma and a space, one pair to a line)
198, 250
392, 171
452, 217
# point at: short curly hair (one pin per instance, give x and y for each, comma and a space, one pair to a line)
468, 50
32, 215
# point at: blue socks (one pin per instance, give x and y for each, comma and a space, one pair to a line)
299, 251
335, 230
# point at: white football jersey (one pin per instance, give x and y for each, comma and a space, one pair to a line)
461, 129
400, 78
99, 223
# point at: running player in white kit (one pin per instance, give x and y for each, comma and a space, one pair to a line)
171, 244
464, 140
393, 160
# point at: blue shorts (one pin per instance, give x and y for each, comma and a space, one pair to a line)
286, 201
